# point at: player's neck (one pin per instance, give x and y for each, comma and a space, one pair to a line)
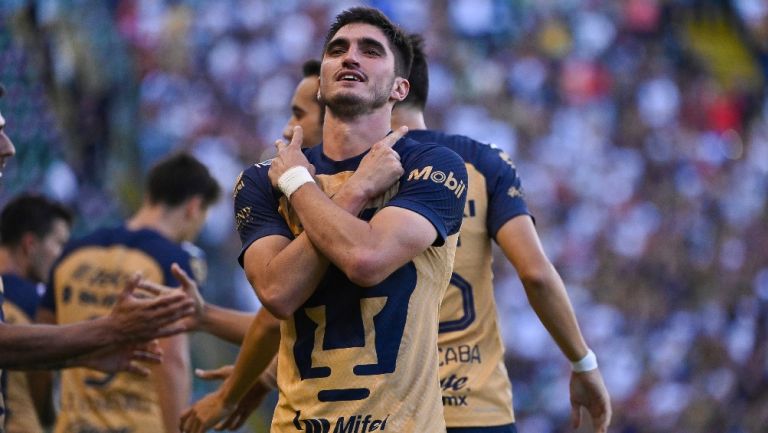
412, 117
159, 218
344, 138
11, 261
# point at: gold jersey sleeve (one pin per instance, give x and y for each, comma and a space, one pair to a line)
86, 284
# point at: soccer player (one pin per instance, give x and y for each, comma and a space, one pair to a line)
107, 343
86, 279
474, 380
306, 110
359, 295
33, 230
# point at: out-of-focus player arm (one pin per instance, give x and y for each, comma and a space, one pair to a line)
259, 348
172, 380
227, 324
547, 295
131, 320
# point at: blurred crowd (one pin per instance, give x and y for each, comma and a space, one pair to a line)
639, 128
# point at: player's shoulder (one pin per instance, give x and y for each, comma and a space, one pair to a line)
412, 151
469, 149
21, 292
147, 240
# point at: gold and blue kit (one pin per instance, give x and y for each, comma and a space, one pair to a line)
85, 283
21, 300
475, 385
362, 359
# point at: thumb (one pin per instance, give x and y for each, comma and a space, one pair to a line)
181, 275
575, 415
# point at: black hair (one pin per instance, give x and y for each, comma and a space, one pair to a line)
178, 178
398, 41
30, 213
311, 68
419, 76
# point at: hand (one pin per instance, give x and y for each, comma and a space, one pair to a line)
249, 403
205, 413
123, 359
588, 391
137, 319
189, 287
289, 155
380, 168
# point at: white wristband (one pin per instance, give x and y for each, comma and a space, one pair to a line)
292, 179
587, 363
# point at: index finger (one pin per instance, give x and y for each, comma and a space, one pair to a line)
153, 288
394, 137
298, 136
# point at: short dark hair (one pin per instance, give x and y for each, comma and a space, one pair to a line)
398, 41
419, 76
311, 68
178, 178
30, 213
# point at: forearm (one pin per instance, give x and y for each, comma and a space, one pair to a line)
259, 348
41, 390
549, 300
332, 225
283, 292
224, 323
172, 380
49, 346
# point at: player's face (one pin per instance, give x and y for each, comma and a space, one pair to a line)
306, 110
6, 145
48, 250
357, 74
195, 221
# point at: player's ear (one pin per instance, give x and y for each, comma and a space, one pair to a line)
29, 242
193, 206
400, 88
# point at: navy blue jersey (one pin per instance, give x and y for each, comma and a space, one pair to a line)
364, 356
471, 354
22, 293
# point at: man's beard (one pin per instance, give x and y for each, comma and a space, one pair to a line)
349, 105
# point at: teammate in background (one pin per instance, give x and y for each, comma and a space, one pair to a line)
476, 392
367, 288
108, 343
86, 279
33, 231
306, 110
